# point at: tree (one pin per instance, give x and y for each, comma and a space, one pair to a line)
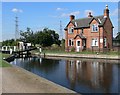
10, 42
118, 36
47, 37
28, 36
63, 43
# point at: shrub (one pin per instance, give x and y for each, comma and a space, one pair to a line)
55, 46
72, 49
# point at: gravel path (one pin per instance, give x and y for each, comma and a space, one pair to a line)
18, 80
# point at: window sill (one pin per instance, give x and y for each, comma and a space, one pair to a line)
94, 46
94, 31
70, 33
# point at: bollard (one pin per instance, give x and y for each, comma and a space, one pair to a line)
2, 48
14, 48
10, 51
40, 50
5, 48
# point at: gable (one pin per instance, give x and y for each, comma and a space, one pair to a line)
85, 22
93, 21
69, 24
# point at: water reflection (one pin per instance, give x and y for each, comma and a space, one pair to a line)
91, 73
37, 64
84, 76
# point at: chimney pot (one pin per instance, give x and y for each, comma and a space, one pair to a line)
72, 17
106, 11
106, 6
89, 15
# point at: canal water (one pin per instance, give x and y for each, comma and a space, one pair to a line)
80, 75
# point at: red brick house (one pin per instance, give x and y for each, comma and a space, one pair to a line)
90, 33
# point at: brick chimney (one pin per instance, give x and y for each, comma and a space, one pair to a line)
106, 11
72, 17
89, 15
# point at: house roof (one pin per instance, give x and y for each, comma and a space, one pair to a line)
85, 22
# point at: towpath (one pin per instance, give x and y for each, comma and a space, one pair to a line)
18, 80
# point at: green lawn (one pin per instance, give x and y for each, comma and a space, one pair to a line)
84, 52
3, 63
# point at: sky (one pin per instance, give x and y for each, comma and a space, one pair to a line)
59, 0
38, 15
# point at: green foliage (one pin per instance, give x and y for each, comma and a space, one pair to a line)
3, 63
28, 36
63, 43
10, 42
54, 46
118, 35
72, 49
46, 37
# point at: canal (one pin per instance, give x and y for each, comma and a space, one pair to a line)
80, 75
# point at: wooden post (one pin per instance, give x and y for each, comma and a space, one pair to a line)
5, 48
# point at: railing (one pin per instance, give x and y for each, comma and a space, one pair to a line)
8, 48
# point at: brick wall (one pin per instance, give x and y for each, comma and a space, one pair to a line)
108, 32
87, 32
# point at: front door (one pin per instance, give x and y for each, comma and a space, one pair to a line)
77, 45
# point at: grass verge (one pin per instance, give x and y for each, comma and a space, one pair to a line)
3, 63
112, 53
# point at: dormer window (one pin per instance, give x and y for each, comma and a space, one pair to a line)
94, 27
70, 30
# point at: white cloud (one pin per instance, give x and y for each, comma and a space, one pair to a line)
86, 12
72, 13
76, 13
60, 9
15, 10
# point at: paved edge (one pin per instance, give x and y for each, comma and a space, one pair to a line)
56, 87
88, 56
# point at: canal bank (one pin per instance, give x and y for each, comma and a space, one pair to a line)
79, 74
18, 80
88, 56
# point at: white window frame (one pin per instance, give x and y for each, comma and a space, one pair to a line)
94, 42
71, 43
94, 27
70, 30
105, 42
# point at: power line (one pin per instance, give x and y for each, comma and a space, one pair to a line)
16, 28
61, 32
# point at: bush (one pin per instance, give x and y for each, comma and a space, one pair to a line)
55, 46
72, 49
